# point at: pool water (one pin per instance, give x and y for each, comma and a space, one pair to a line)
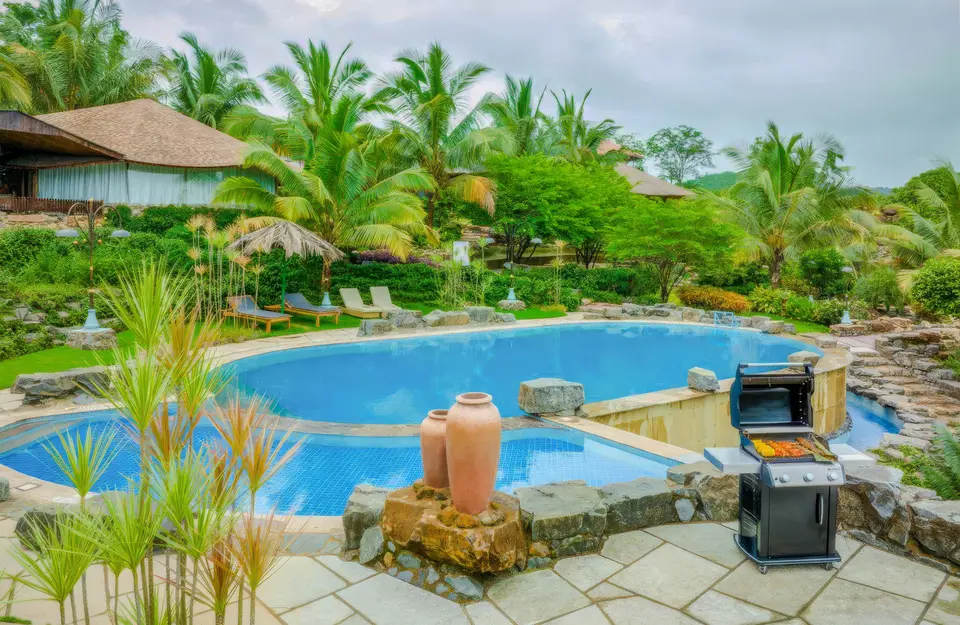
870, 422
322, 474
400, 380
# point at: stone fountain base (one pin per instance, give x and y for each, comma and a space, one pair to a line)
425, 521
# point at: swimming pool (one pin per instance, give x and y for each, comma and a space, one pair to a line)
324, 471
400, 380
870, 422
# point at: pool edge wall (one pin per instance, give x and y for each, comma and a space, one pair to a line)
694, 419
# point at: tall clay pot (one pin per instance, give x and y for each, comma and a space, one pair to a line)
473, 451
433, 449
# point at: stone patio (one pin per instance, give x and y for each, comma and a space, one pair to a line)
666, 575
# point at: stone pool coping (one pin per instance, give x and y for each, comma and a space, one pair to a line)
27, 491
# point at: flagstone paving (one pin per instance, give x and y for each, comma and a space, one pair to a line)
668, 575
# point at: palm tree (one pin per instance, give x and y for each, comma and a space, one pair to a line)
518, 110
343, 194
575, 138
14, 89
437, 129
792, 194
308, 91
940, 228
207, 85
74, 54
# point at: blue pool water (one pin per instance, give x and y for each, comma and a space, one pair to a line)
400, 380
323, 473
870, 422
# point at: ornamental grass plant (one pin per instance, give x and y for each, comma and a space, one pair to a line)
183, 535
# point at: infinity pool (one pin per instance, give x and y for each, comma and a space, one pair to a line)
400, 380
322, 474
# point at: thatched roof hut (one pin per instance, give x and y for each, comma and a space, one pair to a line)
646, 184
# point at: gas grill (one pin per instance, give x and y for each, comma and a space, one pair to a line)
789, 476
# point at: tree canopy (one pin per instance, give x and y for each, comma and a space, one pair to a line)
680, 153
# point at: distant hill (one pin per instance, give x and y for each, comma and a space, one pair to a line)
714, 182
882, 190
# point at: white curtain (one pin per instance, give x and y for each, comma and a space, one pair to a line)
97, 182
141, 185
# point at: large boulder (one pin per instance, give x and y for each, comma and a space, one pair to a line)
936, 526
805, 357
719, 495
873, 503
890, 324
376, 327
91, 340
550, 396
38, 387
644, 502
440, 318
505, 318
508, 304
563, 510
702, 380
38, 520
436, 530
364, 509
480, 314
405, 318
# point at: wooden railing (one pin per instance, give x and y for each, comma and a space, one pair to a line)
10, 204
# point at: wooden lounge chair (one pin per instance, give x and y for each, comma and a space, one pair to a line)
243, 307
381, 298
298, 304
353, 305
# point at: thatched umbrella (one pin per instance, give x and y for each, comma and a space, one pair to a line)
292, 239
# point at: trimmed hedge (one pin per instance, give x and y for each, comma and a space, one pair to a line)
712, 298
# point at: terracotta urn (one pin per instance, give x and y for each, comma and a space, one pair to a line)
433, 449
473, 451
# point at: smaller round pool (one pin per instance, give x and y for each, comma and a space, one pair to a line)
322, 474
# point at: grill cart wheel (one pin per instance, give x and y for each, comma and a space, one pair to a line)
828, 566
763, 569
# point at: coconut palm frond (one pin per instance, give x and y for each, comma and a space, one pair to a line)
288, 236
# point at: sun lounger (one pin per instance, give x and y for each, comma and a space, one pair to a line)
243, 307
353, 305
381, 298
298, 304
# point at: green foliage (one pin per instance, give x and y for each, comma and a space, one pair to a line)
799, 308
770, 300
161, 220
712, 298
937, 286
550, 199
942, 471
936, 179
740, 278
672, 237
827, 312
680, 153
879, 289
823, 268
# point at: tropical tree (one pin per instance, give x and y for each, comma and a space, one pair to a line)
75, 54
573, 136
14, 89
938, 220
206, 85
680, 153
792, 194
437, 129
518, 111
343, 193
308, 91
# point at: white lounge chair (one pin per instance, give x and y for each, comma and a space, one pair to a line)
353, 305
381, 298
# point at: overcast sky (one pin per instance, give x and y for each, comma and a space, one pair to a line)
881, 75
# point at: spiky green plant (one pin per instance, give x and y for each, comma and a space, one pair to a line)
257, 546
941, 472
144, 300
60, 560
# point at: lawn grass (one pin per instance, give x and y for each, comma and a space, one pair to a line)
802, 326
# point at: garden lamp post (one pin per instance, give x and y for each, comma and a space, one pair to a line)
92, 212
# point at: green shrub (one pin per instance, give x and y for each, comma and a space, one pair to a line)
712, 298
827, 312
824, 270
159, 220
937, 286
739, 278
880, 289
49, 298
799, 308
771, 301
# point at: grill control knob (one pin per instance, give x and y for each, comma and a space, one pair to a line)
832, 476
784, 478
808, 477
